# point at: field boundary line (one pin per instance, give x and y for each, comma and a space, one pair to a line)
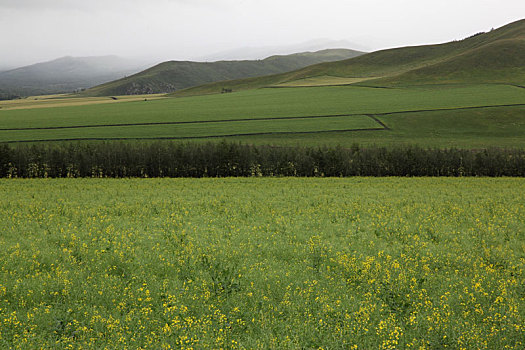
328, 85
192, 137
306, 86
448, 109
374, 118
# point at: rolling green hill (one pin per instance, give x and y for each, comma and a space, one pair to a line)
175, 75
497, 56
502, 61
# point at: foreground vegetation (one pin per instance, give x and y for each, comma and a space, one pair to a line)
268, 263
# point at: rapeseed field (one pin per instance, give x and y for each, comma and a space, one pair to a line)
271, 263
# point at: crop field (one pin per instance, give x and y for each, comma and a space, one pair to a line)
263, 263
202, 129
321, 81
63, 100
469, 116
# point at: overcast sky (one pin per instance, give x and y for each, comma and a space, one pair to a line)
37, 30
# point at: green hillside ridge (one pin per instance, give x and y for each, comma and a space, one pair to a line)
502, 61
176, 75
493, 57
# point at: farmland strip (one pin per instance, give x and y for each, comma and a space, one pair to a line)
259, 119
184, 122
449, 109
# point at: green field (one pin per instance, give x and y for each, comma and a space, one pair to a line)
436, 116
263, 263
471, 128
202, 129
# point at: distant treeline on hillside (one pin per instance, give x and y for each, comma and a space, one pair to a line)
173, 159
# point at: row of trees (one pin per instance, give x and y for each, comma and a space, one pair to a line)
175, 159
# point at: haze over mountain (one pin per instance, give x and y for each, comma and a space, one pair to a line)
497, 56
257, 53
38, 31
66, 74
175, 75
6, 68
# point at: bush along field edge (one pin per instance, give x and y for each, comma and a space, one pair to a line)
225, 159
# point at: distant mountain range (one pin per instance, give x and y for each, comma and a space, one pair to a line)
175, 75
66, 74
497, 56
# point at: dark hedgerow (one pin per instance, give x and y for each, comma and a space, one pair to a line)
174, 159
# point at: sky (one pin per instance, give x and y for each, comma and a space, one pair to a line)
40, 30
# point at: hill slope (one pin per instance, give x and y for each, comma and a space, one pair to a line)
502, 61
66, 74
494, 57
175, 75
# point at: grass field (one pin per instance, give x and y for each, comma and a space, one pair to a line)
190, 130
471, 128
263, 263
436, 116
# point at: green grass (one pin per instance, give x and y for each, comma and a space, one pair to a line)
451, 127
207, 129
501, 61
504, 126
478, 128
266, 263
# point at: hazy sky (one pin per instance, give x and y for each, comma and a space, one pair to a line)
36, 30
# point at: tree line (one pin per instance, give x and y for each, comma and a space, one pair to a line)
224, 159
